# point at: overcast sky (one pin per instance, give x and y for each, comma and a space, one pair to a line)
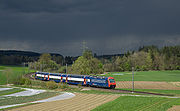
107, 26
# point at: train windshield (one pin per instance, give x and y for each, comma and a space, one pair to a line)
111, 80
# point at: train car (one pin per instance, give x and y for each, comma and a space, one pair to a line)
86, 80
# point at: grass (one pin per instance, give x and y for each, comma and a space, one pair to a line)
12, 71
168, 76
171, 92
11, 91
132, 103
24, 99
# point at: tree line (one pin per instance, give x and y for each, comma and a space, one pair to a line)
146, 58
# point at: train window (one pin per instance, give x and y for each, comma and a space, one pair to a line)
111, 80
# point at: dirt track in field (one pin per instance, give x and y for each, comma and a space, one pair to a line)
81, 102
147, 85
176, 83
174, 108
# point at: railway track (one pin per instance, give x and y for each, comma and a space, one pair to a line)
29, 75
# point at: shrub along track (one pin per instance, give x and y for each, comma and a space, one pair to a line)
81, 102
108, 90
30, 76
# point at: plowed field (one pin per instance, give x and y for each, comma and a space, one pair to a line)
176, 83
147, 85
81, 102
174, 108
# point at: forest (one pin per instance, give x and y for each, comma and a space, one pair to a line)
145, 59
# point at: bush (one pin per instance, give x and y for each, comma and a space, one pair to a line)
143, 68
63, 86
177, 67
28, 82
62, 69
51, 85
41, 84
22, 81
19, 81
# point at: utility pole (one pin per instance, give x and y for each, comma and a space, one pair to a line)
34, 66
23, 67
41, 67
66, 68
132, 79
84, 47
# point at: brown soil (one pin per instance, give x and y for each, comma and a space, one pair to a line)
81, 102
176, 83
174, 108
147, 85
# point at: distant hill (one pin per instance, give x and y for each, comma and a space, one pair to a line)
15, 57
19, 53
23, 53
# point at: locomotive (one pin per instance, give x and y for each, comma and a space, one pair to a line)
85, 80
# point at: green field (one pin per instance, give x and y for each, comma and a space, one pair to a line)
11, 91
123, 103
13, 72
169, 92
168, 76
130, 103
24, 99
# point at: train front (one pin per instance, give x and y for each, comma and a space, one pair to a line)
111, 82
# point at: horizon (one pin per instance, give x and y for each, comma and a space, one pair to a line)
82, 52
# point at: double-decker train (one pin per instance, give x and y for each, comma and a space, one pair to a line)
86, 80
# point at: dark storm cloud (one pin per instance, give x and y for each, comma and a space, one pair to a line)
30, 6
55, 6
108, 26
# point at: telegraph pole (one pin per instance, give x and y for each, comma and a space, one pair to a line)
132, 79
23, 67
84, 47
41, 67
66, 68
